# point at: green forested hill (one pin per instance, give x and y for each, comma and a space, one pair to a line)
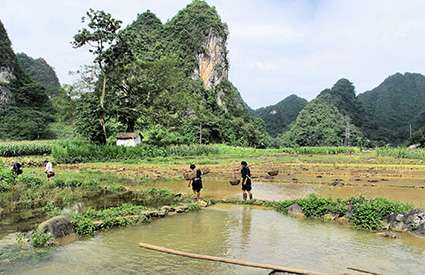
41, 72
25, 106
392, 106
170, 82
343, 96
278, 117
330, 119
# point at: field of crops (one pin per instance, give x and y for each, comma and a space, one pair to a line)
14, 149
401, 153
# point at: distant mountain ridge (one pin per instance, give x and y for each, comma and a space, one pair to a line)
41, 72
392, 107
380, 116
278, 117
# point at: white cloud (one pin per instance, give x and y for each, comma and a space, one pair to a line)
276, 47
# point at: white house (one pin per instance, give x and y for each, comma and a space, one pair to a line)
128, 139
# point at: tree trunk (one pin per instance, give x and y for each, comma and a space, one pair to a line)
102, 111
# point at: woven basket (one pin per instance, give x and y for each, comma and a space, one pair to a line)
273, 173
205, 170
188, 175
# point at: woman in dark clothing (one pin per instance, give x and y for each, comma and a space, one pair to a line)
196, 181
246, 181
17, 168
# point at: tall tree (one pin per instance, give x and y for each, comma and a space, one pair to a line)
100, 35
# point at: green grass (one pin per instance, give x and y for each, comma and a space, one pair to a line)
76, 152
402, 152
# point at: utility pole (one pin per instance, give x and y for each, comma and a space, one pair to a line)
410, 130
347, 135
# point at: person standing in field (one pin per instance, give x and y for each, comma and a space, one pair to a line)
246, 181
48, 169
196, 181
16, 168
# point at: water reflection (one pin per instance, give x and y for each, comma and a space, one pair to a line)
253, 234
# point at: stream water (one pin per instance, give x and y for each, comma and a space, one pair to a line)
241, 232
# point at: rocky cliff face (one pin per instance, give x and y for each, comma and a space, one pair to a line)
6, 76
212, 61
7, 66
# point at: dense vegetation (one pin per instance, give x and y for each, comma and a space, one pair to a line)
401, 152
25, 149
278, 117
149, 81
25, 113
378, 117
41, 72
75, 152
395, 104
322, 124
361, 212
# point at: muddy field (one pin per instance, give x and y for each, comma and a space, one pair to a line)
339, 176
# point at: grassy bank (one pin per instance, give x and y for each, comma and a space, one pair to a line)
363, 213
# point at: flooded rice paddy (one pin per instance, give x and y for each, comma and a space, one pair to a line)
240, 232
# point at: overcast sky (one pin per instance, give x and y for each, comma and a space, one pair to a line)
277, 47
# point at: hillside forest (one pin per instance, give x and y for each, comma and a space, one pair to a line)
169, 82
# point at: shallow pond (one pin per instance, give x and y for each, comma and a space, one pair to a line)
277, 190
242, 232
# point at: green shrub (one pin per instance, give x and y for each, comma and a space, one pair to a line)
314, 206
7, 179
40, 239
83, 225
29, 181
366, 214
110, 217
24, 149
369, 214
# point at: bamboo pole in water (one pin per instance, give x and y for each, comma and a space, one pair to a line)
234, 261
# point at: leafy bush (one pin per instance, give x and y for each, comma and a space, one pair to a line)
24, 149
29, 181
110, 217
369, 214
83, 225
314, 206
366, 214
40, 239
7, 179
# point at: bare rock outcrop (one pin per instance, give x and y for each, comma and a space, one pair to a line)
212, 61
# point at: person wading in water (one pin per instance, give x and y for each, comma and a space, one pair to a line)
246, 181
196, 181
